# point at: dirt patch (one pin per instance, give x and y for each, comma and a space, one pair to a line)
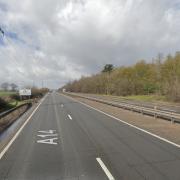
160, 127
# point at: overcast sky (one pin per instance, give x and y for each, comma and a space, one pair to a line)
56, 41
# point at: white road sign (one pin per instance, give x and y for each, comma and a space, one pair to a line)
25, 92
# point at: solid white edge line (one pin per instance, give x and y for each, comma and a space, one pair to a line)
140, 129
69, 116
20, 129
105, 169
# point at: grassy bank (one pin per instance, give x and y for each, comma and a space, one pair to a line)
6, 93
143, 98
7, 101
146, 98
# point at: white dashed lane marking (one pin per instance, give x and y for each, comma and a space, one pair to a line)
105, 169
69, 116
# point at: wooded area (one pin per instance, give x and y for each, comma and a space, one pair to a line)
160, 77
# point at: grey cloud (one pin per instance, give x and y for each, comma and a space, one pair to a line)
69, 38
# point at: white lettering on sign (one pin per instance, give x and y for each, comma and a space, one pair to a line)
48, 137
25, 92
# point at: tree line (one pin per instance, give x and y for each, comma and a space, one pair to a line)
160, 77
8, 86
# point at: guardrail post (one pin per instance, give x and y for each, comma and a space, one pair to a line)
142, 110
172, 119
155, 115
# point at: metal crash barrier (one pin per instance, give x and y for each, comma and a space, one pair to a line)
154, 111
8, 117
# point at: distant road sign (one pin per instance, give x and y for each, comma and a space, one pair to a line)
25, 92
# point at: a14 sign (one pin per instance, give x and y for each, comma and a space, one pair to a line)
48, 137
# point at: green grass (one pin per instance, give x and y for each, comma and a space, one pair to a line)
6, 93
12, 103
18, 103
146, 98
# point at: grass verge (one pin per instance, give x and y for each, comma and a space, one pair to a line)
6, 93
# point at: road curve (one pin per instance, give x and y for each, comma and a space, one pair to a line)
65, 140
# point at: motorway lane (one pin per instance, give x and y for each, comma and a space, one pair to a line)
127, 152
27, 159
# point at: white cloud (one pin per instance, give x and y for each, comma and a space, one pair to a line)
58, 41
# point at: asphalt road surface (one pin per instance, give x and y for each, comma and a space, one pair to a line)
66, 140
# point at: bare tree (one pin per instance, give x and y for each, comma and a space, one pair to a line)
108, 69
13, 87
5, 86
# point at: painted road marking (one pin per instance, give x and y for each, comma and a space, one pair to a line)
45, 134
48, 141
105, 169
69, 116
20, 129
62, 105
124, 122
48, 131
